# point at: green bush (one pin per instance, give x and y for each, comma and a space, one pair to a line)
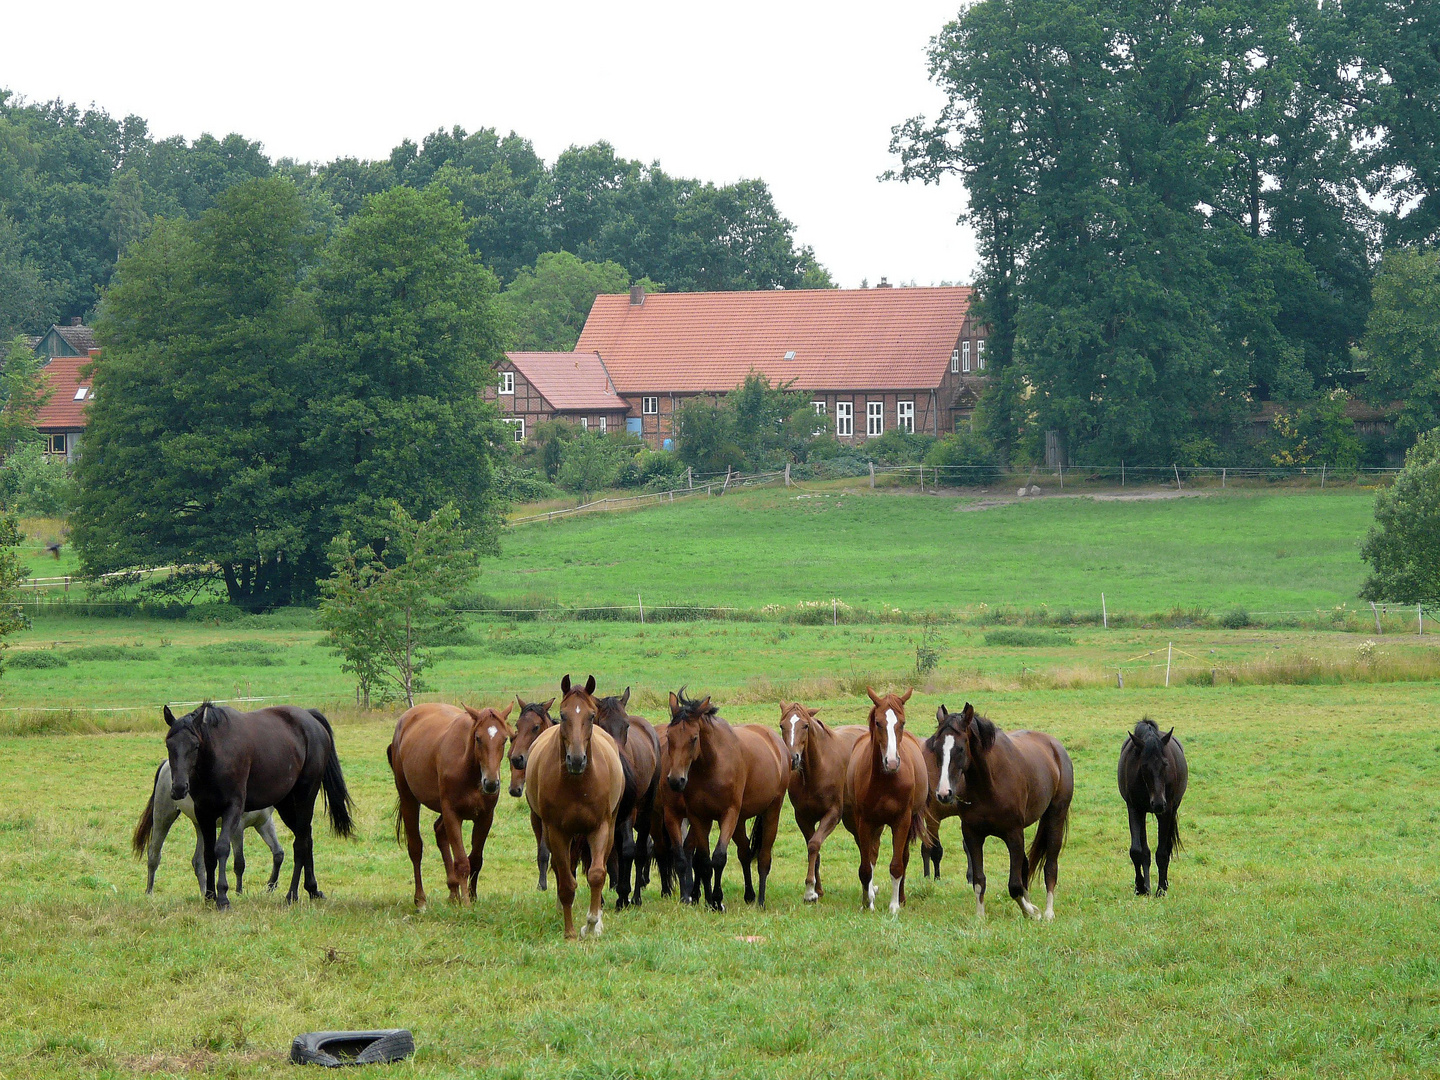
897, 447
967, 458
102, 653
33, 483
518, 484
234, 654
1237, 618
1027, 639
35, 658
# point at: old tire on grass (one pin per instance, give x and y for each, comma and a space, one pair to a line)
336, 1048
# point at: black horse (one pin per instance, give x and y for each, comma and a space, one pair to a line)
1152, 775
229, 762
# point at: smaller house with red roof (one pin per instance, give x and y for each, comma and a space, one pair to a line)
65, 350
533, 387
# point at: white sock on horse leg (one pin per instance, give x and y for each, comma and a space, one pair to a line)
895, 883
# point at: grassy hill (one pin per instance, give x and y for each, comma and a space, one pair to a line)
1271, 551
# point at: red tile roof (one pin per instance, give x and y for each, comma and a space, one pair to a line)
571, 382
842, 339
62, 412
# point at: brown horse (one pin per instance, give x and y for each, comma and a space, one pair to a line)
729, 775
448, 759
1003, 782
819, 758
667, 833
533, 719
885, 784
576, 783
939, 751
637, 741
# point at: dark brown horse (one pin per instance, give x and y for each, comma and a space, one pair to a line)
819, 758
640, 746
1003, 782
726, 775
230, 762
448, 759
1153, 775
939, 753
576, 783
533, 719
885, 785
668, 828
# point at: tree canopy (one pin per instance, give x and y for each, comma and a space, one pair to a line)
548, 304
1403, 547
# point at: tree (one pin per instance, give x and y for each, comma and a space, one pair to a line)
12, 573
26, 305
548, 305
33, 483
592, 461
23, 393
1403, 546
1402, 339
191, 453
755, 426
384, 610
410, 328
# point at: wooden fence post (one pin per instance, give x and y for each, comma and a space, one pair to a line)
727, 481
1177, 488
689, 479
787, 474
872, 474
641, 600
1169, 651
1104, 615
1376, 612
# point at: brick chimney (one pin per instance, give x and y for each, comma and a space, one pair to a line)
884, 284
75, 321
637, 295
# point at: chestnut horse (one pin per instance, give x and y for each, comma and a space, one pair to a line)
576, 784
1003, 782
819, 758
729, 775
637, 741
448, 759
533, 719
886, 784
1153, 775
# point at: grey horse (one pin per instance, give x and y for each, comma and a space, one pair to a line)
162, 811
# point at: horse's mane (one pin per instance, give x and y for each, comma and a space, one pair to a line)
690, 708
1146, 733
985, 729
533, 706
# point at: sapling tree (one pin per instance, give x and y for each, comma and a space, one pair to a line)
1404, 543
384, 610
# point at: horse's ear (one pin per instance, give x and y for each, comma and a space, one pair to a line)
941, 714
565, 684
906, 696
169, 717
1165, 739
506, 714
873, 696
706, 707
520, 701
1128, 736
967, 714
674, 704
547, 705
814, 713
625, 697
590, 684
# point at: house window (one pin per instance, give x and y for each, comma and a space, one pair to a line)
874, 418
649, 405
55, 444
965, 353
980, 355
584, 423
81, 392
507, 382
820, 426
955, 362
844, 419
602, 425
517, 428
905, 416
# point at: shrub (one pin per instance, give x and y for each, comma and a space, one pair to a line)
518, 484
967, 458
32, 483
35, 658
897, 447
1403, 547
1027, 639
234, 654
1236, 618
108, 653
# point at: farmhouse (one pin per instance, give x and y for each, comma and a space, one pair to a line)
870, 359
65, 350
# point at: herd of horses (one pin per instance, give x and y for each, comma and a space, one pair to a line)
610, 794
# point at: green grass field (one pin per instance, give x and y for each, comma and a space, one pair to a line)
1299, 938
1270, 551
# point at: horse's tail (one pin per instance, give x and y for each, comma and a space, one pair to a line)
1053, 828
757, 834
337, 798
147, 817
918, 830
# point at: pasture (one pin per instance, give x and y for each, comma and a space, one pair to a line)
1299, 937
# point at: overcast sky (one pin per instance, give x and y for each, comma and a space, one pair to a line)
802, 95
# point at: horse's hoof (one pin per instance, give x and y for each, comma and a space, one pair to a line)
270, 887
1162, 890
718, 906
811, 896
317, 895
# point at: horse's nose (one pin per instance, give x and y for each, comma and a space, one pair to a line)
516, 790
890, 765
576, 765
677, 783
517, 761
179, 791
794, 761
1157, 806
490, 787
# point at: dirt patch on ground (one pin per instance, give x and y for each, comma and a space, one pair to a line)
992, 501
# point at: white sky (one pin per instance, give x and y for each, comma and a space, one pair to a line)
802, 95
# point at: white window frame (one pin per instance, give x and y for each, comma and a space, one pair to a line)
584, 423
905, 416
507, 382
980, 355
819, 407
874, 419
955, 361
650, 405
845, 419
518, 424
965, 356
604, 424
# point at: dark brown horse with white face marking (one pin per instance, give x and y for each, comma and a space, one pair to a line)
230, 762
726, 775
640, 746
885, 785
819, 758
533, 719
1153, 776
448, 759
941, 762
1004, 781
575, 782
